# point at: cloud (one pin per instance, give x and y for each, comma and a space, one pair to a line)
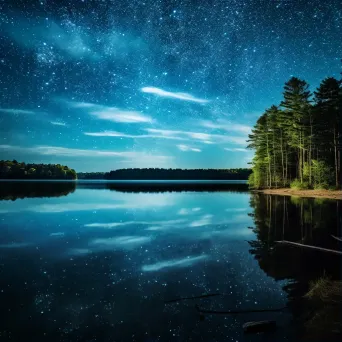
15, 245
131, 136
203, 221
124, 242
58, 123
113, 134
153, 133
185, 262
79, 251
76, 104
58, 234
227, 126
120, 115
185, 211
128, 223
73, 152
113, 114
205, 138
236, 149
179, 96
16, 111
186, 148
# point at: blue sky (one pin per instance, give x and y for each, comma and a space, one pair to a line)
101, 85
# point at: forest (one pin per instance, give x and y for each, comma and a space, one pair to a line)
297, 143
16, 170
90, 175
178, 174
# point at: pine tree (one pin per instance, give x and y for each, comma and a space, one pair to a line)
297, 108
328, 112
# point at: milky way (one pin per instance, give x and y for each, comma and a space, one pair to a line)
100, 85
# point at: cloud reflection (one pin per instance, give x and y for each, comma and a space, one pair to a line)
185, 262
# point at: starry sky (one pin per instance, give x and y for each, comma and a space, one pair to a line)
101, 85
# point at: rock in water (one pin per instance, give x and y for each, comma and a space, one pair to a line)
259, 326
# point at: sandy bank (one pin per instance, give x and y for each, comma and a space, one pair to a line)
332, 194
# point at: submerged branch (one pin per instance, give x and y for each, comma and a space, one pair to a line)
309, 247
195, 297
214, 312
337, 238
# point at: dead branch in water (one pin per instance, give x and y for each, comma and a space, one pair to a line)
337, 238
309, 246
195, 297
214, 312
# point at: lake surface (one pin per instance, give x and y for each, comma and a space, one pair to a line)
96, 261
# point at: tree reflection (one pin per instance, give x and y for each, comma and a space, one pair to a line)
15, 190
302, 220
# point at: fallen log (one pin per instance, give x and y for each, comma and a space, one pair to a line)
309, 247
231, 312
260, 326
337, 238
195, 297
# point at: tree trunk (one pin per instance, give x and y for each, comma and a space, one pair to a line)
274, 162
269, 162
310, 153
337, 176
282, 156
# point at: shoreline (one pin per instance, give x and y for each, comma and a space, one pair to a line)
329, 194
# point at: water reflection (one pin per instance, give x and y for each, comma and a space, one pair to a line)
307, 221
99, 264
15, 190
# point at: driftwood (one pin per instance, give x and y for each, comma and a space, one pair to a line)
260, 326
195, 297
309, 247
337, 238
214, 312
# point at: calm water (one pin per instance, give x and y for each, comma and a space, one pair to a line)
96, 262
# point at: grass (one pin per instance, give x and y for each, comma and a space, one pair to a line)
325, 290
298, 185
325, 296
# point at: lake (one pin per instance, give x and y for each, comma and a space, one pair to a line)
96, 261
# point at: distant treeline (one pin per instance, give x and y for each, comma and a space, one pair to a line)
16, 170
90, 175
178, 174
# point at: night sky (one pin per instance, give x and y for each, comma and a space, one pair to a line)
101, 85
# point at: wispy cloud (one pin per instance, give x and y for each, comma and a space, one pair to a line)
72, 152
120, 115
185, 262
205, 138
186, 148
15, 245
122, 242
227, 126
198, 137
113, 114
236, 149
185, 211
16, 111
203, 221
76, 104
58, 123
111, 225
179, 96
132, 136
